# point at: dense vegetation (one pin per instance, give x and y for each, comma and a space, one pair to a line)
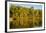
24, 17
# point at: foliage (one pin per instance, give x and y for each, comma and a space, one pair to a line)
24, 17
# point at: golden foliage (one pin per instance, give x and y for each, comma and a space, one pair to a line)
25, 17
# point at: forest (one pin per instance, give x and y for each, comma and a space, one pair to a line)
24, 17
